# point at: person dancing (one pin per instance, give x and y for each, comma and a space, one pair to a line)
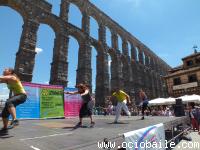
122, 99
19, 96
87, 104
145, 102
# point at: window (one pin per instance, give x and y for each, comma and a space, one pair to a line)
189, 63
197, 60
192, 78
177, 81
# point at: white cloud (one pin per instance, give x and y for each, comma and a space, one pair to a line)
46, 82
38, 50
3, 90
4, 96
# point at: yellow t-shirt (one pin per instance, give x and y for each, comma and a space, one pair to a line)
121, 95
16, 88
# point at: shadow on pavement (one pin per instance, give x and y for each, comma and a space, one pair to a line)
76, 127
118, 123
4, 134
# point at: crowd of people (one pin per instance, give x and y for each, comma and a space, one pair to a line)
191, 110
135, 111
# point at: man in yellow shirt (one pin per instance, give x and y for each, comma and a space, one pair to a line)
122, 99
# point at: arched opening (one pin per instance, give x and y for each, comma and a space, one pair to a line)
55, 6
148, 60
120, 47
129, 50
10, 32
153, 63
44, 54
108, 37
109, 70
144, 58
137, 54
94, 28
112, 70
72, 61
94, 68
75, 16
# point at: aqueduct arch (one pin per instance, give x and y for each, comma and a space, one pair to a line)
127, 72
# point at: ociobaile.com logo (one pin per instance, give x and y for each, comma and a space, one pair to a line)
148, 138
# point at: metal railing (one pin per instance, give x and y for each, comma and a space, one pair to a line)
178, 135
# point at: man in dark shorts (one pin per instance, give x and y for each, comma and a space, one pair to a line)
145, 102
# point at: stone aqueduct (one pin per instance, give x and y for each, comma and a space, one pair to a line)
140, 69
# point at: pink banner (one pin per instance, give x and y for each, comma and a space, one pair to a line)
72, 103
42, 85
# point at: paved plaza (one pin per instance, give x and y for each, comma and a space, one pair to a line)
60, 134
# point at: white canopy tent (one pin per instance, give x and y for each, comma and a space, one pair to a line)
157, 101
171, 100
190, 98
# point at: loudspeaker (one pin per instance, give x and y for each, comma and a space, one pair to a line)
179, 101
179, 108
179, 111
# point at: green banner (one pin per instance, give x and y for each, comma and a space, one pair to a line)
51, 103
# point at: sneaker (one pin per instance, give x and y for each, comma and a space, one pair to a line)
3, 131
14, 122
79, 124
92, 124
115, 122
129, 115
10, 127
142, 118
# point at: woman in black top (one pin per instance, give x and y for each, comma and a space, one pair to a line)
87, 106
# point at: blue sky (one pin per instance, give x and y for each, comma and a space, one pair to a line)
168, 27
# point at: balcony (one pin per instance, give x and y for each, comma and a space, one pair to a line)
185, 86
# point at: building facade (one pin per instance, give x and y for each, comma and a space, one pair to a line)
185, 79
